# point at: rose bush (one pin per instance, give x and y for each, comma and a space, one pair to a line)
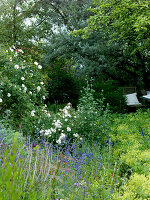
22, 87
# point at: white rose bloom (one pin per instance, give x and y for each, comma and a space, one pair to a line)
15, 55
25, 89
10, 59
23, 85
22, 78
75, 135
41, 83
20, 50
11, 49
1, 100
53, 130
41, 131
68, 129
62, 136
38, 88
49, 115
58, 141
33, 113
44, 97
30, 92
8, 94
57, 124
16, 66
48, 132
39, 67
36, 63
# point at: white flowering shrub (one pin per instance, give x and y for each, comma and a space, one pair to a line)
22, 89
91, 121
61, 129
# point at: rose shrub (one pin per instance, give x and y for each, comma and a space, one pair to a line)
22, 87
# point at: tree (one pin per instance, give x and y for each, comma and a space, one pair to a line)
128, 22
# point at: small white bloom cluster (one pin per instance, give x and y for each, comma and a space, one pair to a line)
1, 100
65, 111
57, 123
37, 64
38, 88
9, 95
22, 78
46, 111
76, 135
62, 137
33, 113
48, 132
39, 67
24, 87
68, 129
16, 66
20, 50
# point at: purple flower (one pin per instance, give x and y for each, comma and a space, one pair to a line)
142, 132
76, 184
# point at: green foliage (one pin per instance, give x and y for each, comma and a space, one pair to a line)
131, 134
63, 87
125, 17
113, 95
125, 23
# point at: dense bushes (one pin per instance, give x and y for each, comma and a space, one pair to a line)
63, 87
22, 90
113, 94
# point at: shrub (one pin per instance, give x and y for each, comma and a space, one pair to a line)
22, 87
63, 87
113, 95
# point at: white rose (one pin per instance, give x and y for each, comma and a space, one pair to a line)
39, 67
38, 88
36, 63
68, 129
1, 100
33, 113
75, 135
22, 78
58, 141
25, 89
8, 94
11, 49
49, 115
16, 66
